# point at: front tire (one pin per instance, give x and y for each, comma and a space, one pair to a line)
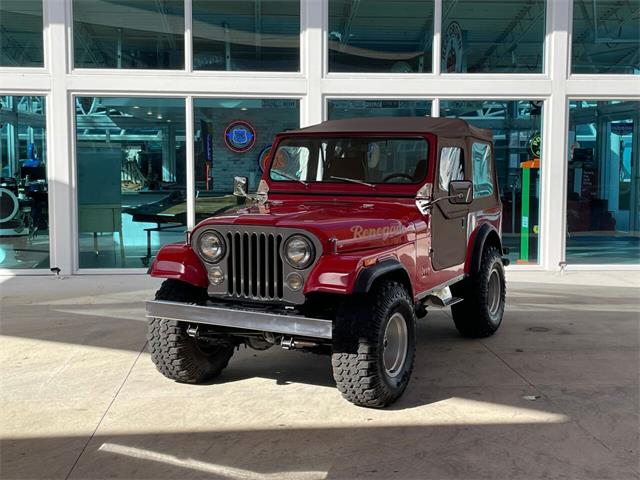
177, 355
374, 346
482, 308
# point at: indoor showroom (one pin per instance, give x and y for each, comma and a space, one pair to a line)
320, 239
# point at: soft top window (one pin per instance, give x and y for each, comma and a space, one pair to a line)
373, 160
482, 172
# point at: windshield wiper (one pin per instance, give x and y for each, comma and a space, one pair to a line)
291, 177
353, 180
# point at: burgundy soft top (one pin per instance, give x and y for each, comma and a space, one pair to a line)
445, 127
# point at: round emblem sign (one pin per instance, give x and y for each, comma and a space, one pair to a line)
263, 158
535, 142
239, 136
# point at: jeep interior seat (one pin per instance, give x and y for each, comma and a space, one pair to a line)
351, 166
420, 171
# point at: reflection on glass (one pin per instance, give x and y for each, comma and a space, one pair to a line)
246, 35
233, 138
24, 205
603, 186
380, 36
21, 33
493, 36
353, 160
516, 126
145, 34
130, 155
606, 37
343, 109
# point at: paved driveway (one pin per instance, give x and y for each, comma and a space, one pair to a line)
554, 394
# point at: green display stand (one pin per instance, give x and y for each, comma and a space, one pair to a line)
524, 212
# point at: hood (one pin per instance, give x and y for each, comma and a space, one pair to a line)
340, 225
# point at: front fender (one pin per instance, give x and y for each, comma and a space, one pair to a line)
178, 261
333, 274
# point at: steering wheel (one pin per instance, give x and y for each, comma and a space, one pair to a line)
399, 175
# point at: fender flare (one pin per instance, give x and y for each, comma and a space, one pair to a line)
178, 261
485, 232
368, 275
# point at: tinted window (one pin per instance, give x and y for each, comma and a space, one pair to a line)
144, 34
603, 183
364, 108
371, 160
21, 33
489, 36
482, 174
380, 36
606, 37
450, 166
246, 35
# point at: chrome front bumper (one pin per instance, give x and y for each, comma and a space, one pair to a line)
242, 319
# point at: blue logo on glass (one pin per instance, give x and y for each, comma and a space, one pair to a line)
240, 136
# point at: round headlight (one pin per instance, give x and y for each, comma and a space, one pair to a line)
211, 246
299, 252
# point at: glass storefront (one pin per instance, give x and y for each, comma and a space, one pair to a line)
145, 34
249, 35
131, 185
493, 36
24, 199
517, 126
380, 36
603, 183
21, 33
342, 109
233, 138
606, 37
129, 155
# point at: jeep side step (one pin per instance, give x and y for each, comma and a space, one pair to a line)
441, 298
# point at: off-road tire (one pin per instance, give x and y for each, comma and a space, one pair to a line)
473, 316
177, 355
358, 346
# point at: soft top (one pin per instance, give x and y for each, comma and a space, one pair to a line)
445, 127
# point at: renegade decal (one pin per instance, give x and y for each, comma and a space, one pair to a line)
359, 231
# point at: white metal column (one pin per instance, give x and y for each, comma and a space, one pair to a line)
555, 122
62, 229
313, 19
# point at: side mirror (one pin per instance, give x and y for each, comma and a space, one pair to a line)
240, 185
461, 192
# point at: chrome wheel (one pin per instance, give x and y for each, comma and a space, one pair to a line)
494, 292
395, 343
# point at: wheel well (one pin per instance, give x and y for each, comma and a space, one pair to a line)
493, 240
400, 275
487, 237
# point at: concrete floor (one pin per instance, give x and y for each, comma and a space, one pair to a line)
554, 394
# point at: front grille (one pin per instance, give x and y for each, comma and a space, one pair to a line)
254, 266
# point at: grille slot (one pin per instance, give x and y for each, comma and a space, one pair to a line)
254, 266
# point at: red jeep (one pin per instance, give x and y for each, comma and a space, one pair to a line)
356, 227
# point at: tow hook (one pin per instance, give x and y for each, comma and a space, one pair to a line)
292, 344
192, 331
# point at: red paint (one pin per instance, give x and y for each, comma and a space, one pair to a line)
353, 223
178, 261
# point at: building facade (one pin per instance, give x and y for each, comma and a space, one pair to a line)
122, 123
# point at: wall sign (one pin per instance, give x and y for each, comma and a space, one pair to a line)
239, 136
453, 51
263, 158
535, 144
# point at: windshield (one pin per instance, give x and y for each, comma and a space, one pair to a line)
361, 160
